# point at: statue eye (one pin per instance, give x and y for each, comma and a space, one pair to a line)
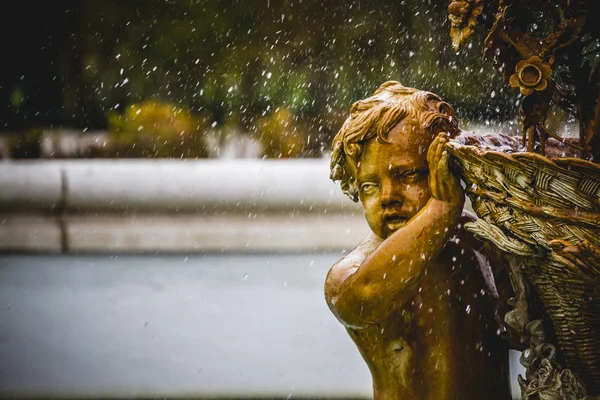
412, 176
368, 187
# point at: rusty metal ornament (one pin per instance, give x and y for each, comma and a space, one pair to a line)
545, 215
531, 75
463, 16
543, 210
527, 61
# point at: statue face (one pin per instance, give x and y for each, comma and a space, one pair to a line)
392, 178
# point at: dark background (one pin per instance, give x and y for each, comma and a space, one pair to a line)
68, 63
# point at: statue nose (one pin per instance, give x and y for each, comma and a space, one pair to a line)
390, 194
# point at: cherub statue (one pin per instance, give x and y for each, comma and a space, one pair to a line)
417, 296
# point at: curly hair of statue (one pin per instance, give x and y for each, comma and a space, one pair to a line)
374, 117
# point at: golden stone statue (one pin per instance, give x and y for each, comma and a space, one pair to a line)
541, 207
417, 296
543, 214
421, 296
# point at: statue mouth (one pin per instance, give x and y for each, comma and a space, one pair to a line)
394, 222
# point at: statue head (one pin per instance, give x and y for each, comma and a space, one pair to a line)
380, 153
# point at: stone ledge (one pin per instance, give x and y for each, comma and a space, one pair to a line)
181, 233
30, 233
170, 185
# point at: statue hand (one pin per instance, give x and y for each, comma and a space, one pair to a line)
443, 184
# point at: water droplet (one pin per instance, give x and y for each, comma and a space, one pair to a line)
245, 276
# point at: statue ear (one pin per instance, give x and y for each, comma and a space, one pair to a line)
450, 122
445, 124
445, 108
436, 128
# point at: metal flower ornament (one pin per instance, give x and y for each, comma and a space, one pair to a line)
543, 210
531, 75
528, 57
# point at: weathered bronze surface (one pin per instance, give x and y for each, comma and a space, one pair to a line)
416, 296
543, 212
547, 49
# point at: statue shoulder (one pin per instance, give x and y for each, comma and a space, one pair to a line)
469, 244
491, 260
467, 216
344, 268
463, 237
470, 241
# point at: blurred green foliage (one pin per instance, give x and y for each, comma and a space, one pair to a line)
280, 136
153, 129
24, 144
238, 61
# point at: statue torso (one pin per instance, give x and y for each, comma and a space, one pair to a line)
442, 342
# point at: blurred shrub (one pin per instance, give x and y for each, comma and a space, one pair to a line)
25, 144
155, 129
279, 135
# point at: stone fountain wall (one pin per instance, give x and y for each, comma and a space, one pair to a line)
149, 206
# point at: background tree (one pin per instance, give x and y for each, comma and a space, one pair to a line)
238, 61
